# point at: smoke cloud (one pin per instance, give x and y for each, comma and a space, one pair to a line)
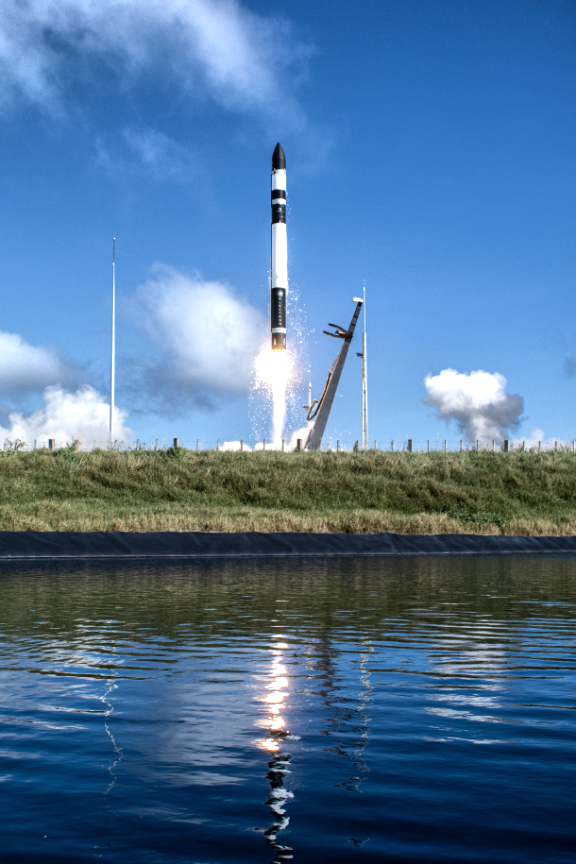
83, 415
26, 368
218, 46
205, 335
478, 403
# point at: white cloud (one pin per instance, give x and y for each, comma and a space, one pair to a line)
206, 336
26, 368
478, 402
83, 415
238, 57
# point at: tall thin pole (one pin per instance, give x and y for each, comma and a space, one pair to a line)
309, 389
113, 348
364, 380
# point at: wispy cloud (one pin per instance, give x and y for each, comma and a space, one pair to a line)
244, 61
479, 403
161, 156
204, 336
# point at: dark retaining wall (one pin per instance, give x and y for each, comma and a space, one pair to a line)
32, 544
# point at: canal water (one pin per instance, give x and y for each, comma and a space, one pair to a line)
369, 710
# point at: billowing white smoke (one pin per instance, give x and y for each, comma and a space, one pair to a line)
207, 337
26, 368
234, 447
83, 415
478, 402
221, 46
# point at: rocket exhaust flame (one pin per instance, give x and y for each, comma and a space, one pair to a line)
273, 372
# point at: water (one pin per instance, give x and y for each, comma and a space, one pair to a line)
379, 710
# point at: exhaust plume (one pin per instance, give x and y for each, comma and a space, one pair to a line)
478, 402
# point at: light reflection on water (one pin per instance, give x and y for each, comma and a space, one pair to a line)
409, 710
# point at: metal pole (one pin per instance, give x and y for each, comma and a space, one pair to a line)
364, 379
113, 348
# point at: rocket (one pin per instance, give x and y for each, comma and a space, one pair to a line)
279, 252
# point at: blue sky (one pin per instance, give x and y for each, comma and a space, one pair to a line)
430, 151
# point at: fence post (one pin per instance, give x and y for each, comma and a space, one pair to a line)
283, 448
493, 446
555, 446
299, 444
505, 445
156, 447
477, 446
393, 446
461, 445
539, 443
218, 446
338, 445
375, 445
51, 443
263, 443
35, 444
428, 446
241, 444
198, 445
176, 443
409, 446
445, 445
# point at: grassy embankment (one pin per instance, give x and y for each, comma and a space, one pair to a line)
486, 493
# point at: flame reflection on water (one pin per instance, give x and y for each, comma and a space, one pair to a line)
275, 702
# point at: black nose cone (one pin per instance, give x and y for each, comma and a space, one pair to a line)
278, 158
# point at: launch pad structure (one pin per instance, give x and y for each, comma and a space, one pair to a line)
319, 409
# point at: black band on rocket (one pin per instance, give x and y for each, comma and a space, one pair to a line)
278, 213
278, 308
279, 193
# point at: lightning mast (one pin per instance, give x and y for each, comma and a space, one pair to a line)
364, 378
113, 346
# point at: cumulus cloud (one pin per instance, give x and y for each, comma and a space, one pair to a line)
478, 402
218, 46
26, 368
205, 335
82, 415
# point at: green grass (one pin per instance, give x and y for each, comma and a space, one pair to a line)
470, 492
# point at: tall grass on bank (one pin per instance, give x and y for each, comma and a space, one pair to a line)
179, 490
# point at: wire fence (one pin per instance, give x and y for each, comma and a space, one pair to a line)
408, 445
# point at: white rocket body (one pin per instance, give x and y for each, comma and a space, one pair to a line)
279, 252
